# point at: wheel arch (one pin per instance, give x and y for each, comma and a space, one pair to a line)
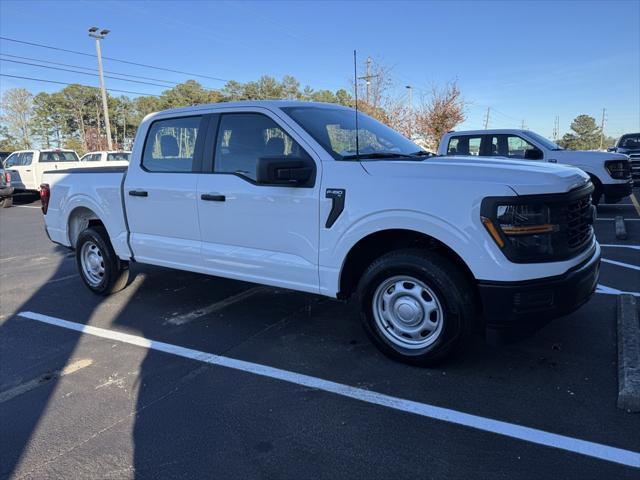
378, 243
80, 218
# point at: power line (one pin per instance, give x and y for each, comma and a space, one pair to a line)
82, 85
82, 73
87, 68
33, 44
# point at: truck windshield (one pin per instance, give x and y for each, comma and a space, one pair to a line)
335, 130
630, 141
546, 143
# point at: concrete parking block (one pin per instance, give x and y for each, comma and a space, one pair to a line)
621, 229
628, 354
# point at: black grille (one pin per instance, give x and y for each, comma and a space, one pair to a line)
635, 167
578, 223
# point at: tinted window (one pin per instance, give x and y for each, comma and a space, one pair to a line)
117, 157
12, 160
630, 141
245, 137
51, 157
171, 144
26, 158
465, 145
517, 147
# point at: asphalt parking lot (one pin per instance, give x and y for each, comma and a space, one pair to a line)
312, 398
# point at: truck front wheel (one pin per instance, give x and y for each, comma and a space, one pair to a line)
100, 268
417, 306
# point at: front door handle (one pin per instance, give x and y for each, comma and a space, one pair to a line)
138, 193
213, 197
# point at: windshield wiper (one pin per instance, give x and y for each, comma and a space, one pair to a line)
421, 153
378, 155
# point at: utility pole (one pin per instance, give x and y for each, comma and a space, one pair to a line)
524, 125
486, 118
602, 123
99, 35
367, 79
410, 93
556, 127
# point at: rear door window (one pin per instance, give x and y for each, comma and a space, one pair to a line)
170, 145
54, 157
465, 145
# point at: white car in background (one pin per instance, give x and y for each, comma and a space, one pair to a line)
104, 158
27, 166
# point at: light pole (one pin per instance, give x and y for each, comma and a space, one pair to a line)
99, 35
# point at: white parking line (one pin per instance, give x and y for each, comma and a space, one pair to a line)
620, 264
532, 435
632, 247
626, 219
613, 291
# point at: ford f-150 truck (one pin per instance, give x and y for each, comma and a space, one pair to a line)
289, 194
610, 172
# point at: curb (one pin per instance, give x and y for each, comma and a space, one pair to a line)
621, 228
628, 354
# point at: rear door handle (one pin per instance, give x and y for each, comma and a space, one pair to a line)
138, 193
213, 197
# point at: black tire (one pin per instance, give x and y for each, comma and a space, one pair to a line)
452, 290
6, 202
116, 272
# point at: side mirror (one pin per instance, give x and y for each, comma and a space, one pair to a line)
533, 154
611, 149
285, 171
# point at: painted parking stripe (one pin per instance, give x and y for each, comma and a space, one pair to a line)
532, 435
620, 264
613, 219
614, 291
636, 204
632, 247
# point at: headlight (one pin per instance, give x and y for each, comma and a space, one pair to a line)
618, 169
526, 228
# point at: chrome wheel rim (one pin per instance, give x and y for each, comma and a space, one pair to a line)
407, 312
92, 263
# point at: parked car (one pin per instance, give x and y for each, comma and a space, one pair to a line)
105, 158
629, 144
279, 193
6, 190
26, 166
609, 172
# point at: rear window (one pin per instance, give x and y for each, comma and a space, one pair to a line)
171, 144
118, 157
52, 157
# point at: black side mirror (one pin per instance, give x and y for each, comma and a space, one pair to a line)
285, 171
533, 154
611, 149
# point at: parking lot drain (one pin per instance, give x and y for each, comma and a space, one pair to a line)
498, 427
628, 354
621, 228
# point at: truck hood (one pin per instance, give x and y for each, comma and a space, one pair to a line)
523, 177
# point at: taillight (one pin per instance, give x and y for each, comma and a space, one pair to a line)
45, 194
7, 178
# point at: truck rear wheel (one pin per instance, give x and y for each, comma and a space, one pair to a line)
100, 268
417, 306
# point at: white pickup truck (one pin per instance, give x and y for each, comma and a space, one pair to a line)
609, 172
26, 166
286, 194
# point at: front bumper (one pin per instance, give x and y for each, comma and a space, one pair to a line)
514, 309
615, 192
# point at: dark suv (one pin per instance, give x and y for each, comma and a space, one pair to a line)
629, 144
